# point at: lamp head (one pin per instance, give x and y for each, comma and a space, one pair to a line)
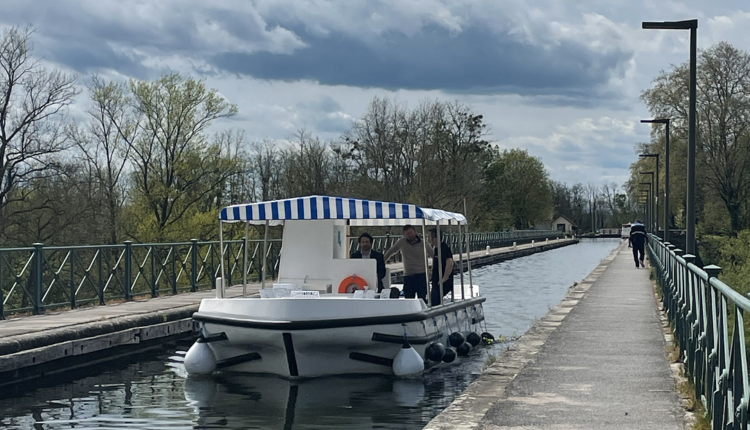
671, 25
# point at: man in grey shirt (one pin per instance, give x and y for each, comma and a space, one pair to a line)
412, 251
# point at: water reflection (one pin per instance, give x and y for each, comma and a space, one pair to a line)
151, 390
245, 401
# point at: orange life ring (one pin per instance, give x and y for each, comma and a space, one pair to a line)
351, 283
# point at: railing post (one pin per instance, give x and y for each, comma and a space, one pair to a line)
72, 279
194, 263
2, 299
173, 251
713, 271
128, 270
100, 282
38, 259
153, 272
685, 310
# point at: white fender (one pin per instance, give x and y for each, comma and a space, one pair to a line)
407, 362
200, 359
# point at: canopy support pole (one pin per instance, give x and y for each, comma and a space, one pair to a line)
440, 261
244, 265
220, 287
468, 252
426, 274
265, 248
461, 260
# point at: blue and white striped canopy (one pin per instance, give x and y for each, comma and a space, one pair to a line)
357, 211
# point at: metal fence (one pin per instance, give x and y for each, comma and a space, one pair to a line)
38, 278
709, 325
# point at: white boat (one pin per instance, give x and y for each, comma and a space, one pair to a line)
625, 231
308, 325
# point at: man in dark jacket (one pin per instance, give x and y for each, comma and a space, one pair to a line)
637, 241
447, 265
366, 251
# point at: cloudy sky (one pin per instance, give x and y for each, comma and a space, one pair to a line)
560, 79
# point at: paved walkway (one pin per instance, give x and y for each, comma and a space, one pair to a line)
595, 361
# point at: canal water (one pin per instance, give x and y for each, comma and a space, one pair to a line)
150, 390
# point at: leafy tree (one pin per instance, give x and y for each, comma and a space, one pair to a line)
175, 167
723, 136
518, 190
735, 261
433, 155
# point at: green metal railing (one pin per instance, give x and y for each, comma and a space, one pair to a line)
709, 325
36, 278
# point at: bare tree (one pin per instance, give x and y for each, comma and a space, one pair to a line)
306, 166
239, 187
33, 103
380, 148
265, 158
105, 145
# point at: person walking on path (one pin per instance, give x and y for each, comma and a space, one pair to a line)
637, 241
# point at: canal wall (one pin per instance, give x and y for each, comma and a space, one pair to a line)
39, 345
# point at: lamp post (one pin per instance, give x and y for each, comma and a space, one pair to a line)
654, 194
691, 25
649, 206
666, 172
644, 206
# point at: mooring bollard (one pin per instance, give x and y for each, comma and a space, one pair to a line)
532, 244
488, 250
514, 246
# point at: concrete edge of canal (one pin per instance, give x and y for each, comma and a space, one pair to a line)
468, 410
52, 349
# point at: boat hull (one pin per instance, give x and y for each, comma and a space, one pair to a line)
364, 341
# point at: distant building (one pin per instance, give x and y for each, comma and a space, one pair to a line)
561, 223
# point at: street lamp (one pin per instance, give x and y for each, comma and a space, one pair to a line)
654, 191
649, 205
691, 25
643, 206
666, 172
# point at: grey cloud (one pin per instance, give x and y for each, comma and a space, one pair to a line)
477, 60
325, 104
474, 61
85, 40
614, 163
336, 124
324, 114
